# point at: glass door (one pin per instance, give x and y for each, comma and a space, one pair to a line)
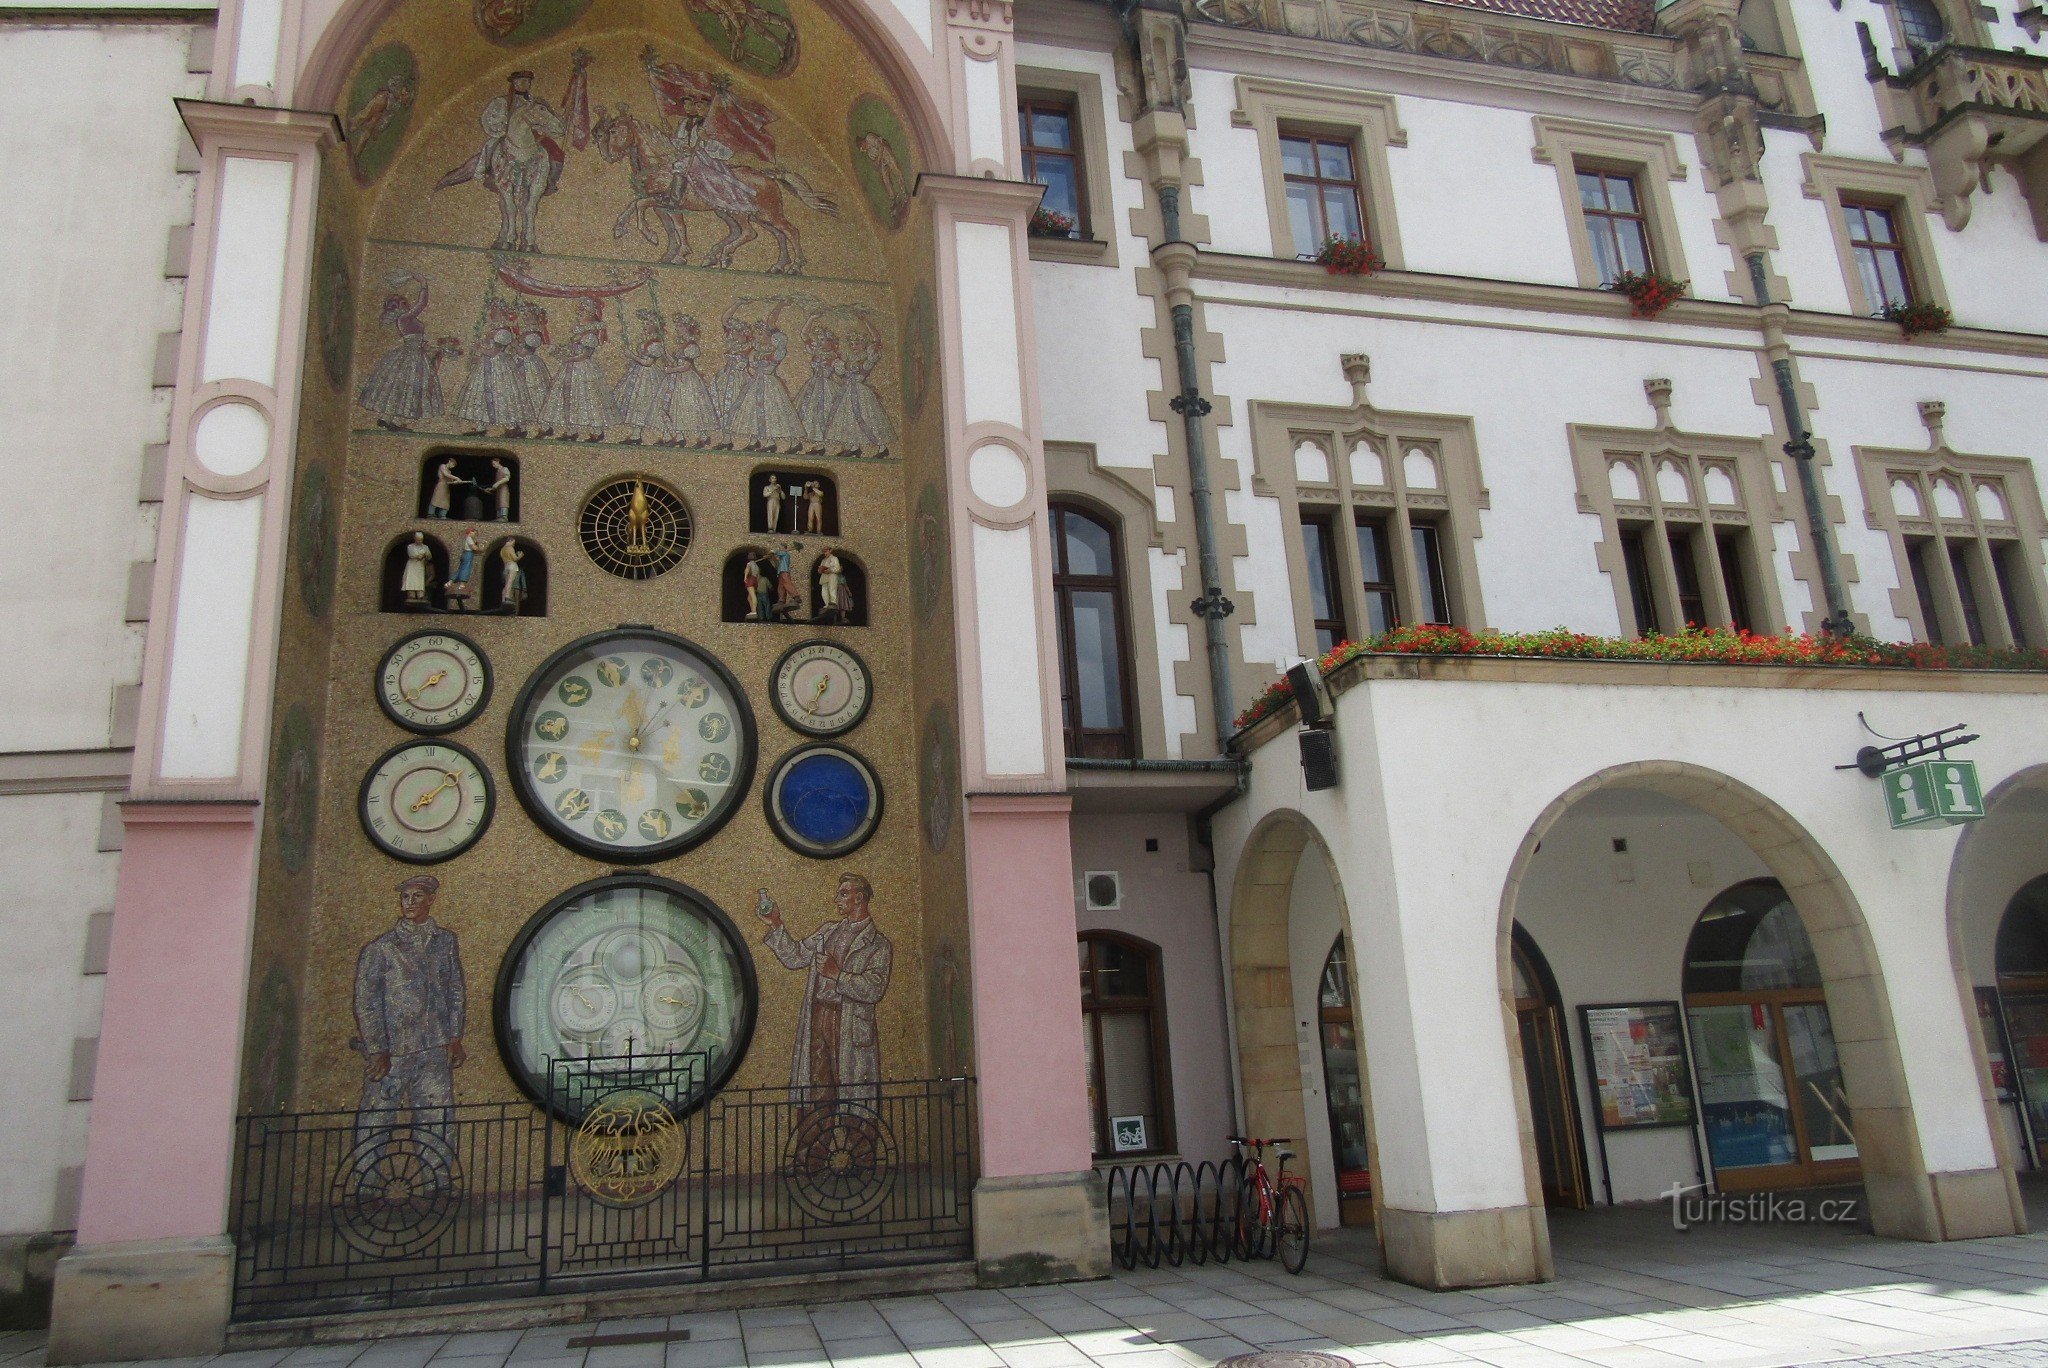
1555, 1118
1344, 1089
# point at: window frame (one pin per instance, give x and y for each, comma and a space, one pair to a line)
1324, 520
2002, 558
1907, 191
1317, 139
1876, 249
1030, 104
1649, 156
1083, 91
1064, 585
1695, 528
1369, 122
1639, 217
1153, 1004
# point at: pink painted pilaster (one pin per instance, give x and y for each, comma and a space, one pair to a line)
1027, 1007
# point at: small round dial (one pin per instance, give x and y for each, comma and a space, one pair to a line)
433, 681
631, 745
425, 801
820, 688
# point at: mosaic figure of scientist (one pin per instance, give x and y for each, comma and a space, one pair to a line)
410, 1004
838, 1055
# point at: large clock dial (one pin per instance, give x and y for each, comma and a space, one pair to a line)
425, 801
631, 745
625, 975
433, 681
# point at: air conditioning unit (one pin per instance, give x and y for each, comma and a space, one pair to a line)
1102, 890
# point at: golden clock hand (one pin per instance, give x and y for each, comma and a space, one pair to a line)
817, 695
425, 684
584, 998
674, 1002
648, 725
447, 782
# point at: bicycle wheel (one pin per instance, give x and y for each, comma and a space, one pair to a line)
1223, 1218
1121, 1226
1293, 1237
1254, 1222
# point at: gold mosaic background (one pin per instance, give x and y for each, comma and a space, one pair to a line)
413, 114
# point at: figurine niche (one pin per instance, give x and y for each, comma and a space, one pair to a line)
419, 572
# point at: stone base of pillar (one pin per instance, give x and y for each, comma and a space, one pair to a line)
1042, 1228
1442, 1250
150, 1299
1976, 1205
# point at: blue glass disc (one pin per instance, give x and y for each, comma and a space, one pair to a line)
824, 798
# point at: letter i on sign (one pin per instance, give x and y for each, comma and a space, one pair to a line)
1907, 809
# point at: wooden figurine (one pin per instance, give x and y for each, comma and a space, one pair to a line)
512, 589
419, 571
445, 480
814, 506
462, 584
500, 490
771, 498
638, 515
789, 600
750, 584
835, 596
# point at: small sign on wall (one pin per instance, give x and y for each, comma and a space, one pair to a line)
1933, 793
1127, 1133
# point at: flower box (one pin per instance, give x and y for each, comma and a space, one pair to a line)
1349, 256
1649, 294
1917, 318
1050, 223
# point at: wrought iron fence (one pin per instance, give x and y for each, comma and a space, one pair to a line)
1179, 1213
339, 1211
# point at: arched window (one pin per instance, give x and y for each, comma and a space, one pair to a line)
1770, 1081
1344, 1087
1123, 1010
1088, 593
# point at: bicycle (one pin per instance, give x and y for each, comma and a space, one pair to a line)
1272, 1216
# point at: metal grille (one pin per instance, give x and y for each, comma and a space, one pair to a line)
340, 1211
635, 528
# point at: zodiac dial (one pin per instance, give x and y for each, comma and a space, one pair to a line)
631, 745
820, 688
633, 975
425, 801
433, 681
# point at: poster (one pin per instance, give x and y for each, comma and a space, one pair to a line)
1637, 1054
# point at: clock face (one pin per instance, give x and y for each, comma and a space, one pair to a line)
821, 688
631, 745
425, 801
823, 801
433, 682
627, 973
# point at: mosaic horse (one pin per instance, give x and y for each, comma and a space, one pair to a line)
663, 192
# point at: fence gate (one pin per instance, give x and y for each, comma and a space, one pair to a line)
341, 1211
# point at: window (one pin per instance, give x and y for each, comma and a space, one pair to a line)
1323, 161
1322, 190
1688, 539
1966, 535
1123, 1015
1326, 603
1617, 200
1344, 1088
1775, 1111
1879, 254
1087, 585
1877, 211
1430, 588
1376, 567
1615, 223
1921, 24
1052, 158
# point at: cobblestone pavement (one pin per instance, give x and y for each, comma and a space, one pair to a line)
1629, 1291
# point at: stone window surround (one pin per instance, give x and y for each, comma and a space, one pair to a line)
1908, 190
1650, 155
2027, 527
1091, 130
1965, 20
1277, 429
1594, 450
1123, 496
1369, 120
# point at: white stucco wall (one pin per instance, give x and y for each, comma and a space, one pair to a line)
1166, 902
76, 356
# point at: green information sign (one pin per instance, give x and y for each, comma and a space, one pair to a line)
1933, 793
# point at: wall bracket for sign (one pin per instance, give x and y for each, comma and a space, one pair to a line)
1873, 761
1640, 1068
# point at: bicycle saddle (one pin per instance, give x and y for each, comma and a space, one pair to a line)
1287, 1154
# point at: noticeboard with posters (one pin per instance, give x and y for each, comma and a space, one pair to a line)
1637, 1054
